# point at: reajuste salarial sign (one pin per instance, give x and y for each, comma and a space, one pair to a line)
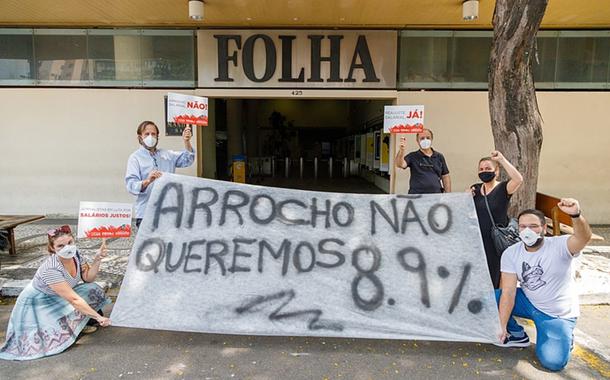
221, 257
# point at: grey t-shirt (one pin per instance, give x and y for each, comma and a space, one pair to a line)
546, 276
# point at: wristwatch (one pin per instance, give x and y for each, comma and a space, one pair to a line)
576, 215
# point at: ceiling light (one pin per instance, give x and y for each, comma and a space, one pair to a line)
196, 9
470, 10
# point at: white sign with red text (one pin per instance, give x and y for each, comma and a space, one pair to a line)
187, 109
403, 119
104, 220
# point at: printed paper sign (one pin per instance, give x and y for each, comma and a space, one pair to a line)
370, 150
385, 152
227, 258
377, 149
403, 119
104, 220
187, 109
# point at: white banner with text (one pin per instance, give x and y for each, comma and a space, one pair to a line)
221, 257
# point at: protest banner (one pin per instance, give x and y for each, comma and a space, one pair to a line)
221, 257
403, 119
187, 109
104, 220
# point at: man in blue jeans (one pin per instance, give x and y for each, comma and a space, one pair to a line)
544, 267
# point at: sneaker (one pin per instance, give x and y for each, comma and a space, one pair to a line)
512, 341
89, 330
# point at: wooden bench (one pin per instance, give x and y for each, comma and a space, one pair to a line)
9, 222
559, 221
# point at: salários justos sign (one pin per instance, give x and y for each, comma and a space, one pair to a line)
297, 59
220, 257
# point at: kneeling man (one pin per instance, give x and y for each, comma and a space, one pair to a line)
544, 267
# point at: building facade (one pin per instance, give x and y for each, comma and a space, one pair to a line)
72, 95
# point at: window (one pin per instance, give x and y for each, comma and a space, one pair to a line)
168, 58
545, 60
444, 59
563, 59
16, 57
61, 56
115, 57
97, 57
582, 59
471, 59
425, 58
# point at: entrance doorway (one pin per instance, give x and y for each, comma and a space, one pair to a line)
311, 144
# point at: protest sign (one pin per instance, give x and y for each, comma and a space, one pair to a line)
370, 150
377, 149
221, 257
385, 152
363, 153
187, 109
403, 119
104, 220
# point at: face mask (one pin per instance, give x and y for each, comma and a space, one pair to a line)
150, 141
425, 143
487, 176
530, 238
67, 252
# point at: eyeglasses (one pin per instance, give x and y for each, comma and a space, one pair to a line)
156, 166
65, 229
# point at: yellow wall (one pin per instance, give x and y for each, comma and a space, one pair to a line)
62, 146
575, 154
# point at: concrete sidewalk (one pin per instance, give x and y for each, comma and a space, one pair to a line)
121, 353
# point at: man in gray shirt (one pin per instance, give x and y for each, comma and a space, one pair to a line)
544, 266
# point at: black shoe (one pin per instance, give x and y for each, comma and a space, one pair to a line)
512, 341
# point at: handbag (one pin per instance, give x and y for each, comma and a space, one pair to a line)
502, 237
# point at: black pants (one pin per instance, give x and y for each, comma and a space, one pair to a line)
93, 322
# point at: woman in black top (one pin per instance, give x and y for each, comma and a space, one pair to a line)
498, 197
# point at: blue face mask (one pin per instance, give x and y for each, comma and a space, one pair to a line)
487, 176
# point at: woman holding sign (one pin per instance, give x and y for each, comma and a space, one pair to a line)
429, 171
498, 196
148, 163
57, 305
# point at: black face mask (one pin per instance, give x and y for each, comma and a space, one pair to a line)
487, 176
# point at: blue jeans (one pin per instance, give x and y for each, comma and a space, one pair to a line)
554, 336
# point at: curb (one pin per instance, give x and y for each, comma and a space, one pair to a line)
591, 344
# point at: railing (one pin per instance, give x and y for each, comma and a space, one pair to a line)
304, 168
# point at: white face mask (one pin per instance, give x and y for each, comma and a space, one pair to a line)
529, 237
67, 252
150, 141
425, 143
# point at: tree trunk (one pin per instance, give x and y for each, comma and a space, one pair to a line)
516, 122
